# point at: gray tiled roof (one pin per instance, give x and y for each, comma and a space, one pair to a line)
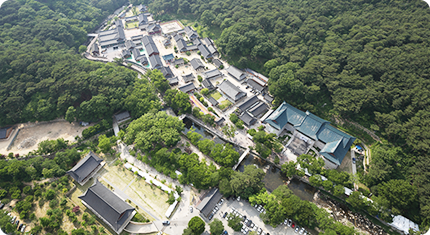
255, 85
212, 49
248, 103
173, 81
143, 20
129, 44
205, 52
247, 119
177, 37
214, 73
268, 98
197, 64
217, 62
84, 167
153, 28
155, 62
208, 41
231, 90
122, 116
182, 45
197, 42
188, 77
235, 72
209, 201
125, 53
208, 84
150, 46
258, 109
108, 205
167, 72
213, 101
191, 33
179, 61
187, 87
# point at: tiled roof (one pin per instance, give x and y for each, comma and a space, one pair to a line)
85, 166
108, 205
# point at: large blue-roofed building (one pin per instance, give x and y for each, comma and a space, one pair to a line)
333, 143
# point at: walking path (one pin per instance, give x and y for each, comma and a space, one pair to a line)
200, 105
241, 158
138, 228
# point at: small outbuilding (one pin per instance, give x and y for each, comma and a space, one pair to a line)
209, 201
197, 64
187, 88
86, 168
236, 73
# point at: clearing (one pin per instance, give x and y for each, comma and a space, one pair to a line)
224, 104
216, 95
32, 134
131, 25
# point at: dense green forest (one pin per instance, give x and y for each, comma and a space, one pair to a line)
41, 74
365, 60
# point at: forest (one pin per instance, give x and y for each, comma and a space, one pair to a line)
41, 73
362, 60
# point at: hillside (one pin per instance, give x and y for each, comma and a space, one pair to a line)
367, 61
41, 72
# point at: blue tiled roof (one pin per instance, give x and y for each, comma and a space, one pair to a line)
337, 142
311, 125
285, 113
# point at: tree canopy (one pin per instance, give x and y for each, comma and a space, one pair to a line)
41, 75
152, 129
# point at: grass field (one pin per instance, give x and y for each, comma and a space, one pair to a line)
216, 95
131, 25
224, 104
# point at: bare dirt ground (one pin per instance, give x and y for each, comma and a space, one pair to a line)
32, 134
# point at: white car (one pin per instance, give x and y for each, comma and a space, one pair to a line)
301, 230
238, 199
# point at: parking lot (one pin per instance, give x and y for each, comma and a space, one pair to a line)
251, 213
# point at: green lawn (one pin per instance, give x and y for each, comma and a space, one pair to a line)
216, 95
131, 25
224, 104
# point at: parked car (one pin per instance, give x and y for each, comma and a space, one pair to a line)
249, 223
191, 209
289, 222
302, 230
285, 222
260, 230
23, 229
353, 160
293, 225
225, 233
19, 227
211, 216
297, 229
225, 215
166, 222
16, 222
1, 206
13, 220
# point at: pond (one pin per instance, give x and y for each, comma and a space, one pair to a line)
274, 178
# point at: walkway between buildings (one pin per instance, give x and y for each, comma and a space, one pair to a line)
241, 158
